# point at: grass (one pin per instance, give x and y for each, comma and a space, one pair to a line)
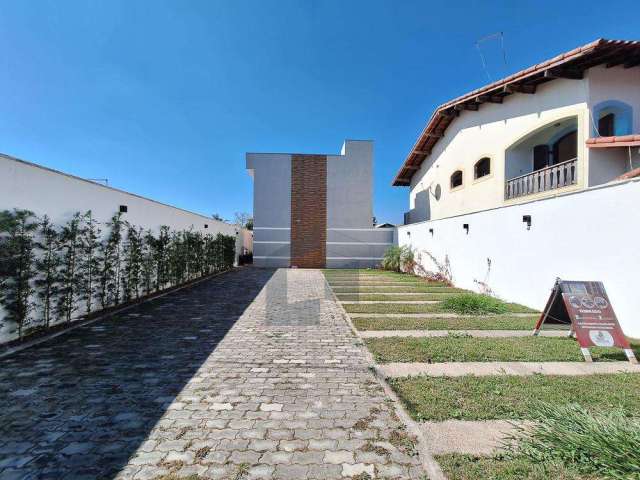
426, 308
493, 322
378, 297
467, 467
474, 304
393, 289
506, 397
605, 444
475, 349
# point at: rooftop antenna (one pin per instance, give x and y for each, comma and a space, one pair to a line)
497, 35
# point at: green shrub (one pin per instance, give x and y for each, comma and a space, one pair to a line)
474, 304
605, 444
398, 259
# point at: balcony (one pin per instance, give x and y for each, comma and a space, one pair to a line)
556, 176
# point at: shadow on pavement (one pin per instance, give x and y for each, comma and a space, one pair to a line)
81, 404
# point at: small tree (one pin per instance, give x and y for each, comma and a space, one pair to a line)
132, 272
148, 261
89, 262
17, 265
70, 279
110, 263
243, 220
160, 248
47, 265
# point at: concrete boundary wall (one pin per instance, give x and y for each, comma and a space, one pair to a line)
42, 190
593, 234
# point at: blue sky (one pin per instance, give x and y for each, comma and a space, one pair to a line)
164, 98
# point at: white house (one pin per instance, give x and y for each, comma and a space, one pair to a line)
312, 211
562, 125
535, 177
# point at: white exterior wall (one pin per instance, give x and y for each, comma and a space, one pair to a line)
617, 84
351, 239
491, 130
44, 191
488, 132
587, 235
28, 186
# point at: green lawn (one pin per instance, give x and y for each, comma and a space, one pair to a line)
426, 308
508, 397
393, 289
378, 297
475, 349
488, 322
467, 467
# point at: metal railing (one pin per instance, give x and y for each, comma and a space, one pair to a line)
549, 178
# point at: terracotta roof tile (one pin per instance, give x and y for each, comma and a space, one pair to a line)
582, 58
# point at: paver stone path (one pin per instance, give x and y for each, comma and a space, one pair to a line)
251, 374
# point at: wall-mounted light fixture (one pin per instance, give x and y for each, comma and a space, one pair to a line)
431, 231
206, 225
408, 233
527, 219
466, 227
123, 209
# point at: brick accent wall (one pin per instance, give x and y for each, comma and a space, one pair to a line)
308, 211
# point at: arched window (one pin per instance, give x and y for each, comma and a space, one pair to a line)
456, 179
482, 168
612, 117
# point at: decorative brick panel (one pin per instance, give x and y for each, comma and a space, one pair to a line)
308, 211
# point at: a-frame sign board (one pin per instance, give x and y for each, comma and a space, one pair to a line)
586, 306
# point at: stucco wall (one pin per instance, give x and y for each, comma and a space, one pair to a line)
587, 235
491, 130
488, 132
44, 191
351, 239
349, 186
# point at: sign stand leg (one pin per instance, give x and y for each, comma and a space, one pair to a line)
570, 334
630, 356
586, 354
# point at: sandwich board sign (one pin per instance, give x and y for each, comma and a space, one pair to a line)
586, 307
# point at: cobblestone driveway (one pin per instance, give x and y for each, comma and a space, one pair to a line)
253, 374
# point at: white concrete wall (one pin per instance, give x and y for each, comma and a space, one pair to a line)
351, 239
271, 174
617, 83
44, 191
589, 235
491, 130
488, 132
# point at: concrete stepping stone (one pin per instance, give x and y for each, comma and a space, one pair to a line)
436, 315
458, 369
446, 333
468, 437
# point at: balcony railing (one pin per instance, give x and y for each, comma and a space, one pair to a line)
548, 178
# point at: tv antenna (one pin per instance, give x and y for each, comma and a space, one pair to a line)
493, 36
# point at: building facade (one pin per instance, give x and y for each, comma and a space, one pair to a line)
560, 126
315, 211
